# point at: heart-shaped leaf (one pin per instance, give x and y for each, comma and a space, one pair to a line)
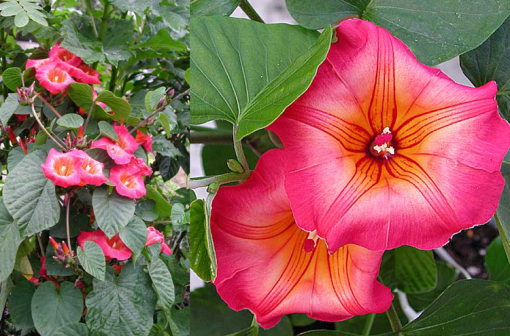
92, 259
112, 211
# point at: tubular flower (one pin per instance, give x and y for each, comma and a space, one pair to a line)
267, 264
128, 179
91, 171
64, 55
53, 77
154, 236
82, 73
112, 248
63, 169
406, 154
121, 152
144, 140
38, 63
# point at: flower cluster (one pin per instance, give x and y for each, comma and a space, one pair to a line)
403, 156
114, 248
60, 69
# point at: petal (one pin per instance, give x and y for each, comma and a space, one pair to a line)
165, 249
263, 266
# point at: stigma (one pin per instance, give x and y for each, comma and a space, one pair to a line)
381, 147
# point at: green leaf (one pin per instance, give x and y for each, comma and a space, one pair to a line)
124, 305
21, 19
81, 95
162, 40
162, 281
137, 6
250, 87
12, 78
92, 259
71, 121
152, 98
77, 222
203, 256
20, 304
89, 51
134, 235
52, 308
434, 30
409, 269
9, 242
210, 8
497, 263
468, 307
120, 108
107, 129
326, 333
491, 61
164, 146
503, 213
163, 208
178, 215
187, 76
75, 329
168, 119
30, 197
214, 158
112, 212
11, 106
5, 289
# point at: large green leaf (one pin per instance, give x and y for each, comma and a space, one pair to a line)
163, 284
247, 73
134, 235
11, 106
124, 305
162, 40
203, 256
120, 108
92, 259
468, 307
52, 308
20, 301
9, 242
12, 78
435, 30
30, 197
409, 269
491, 61
496, 262
74, 329
216, 7
90, 51
71, 120
503, 212
107, 129
112, 211
163, 208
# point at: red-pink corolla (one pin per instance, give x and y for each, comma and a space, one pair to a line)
112, 248
383, 151
128, 178
63, 169
267, 264
53, 77
121, 152
91, 171
154, 236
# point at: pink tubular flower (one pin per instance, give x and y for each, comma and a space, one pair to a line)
128, 179
154, 236
91, 171
38, 63
267, 264
53, 77
121, 152
63, 169
144, 140
82, 73
112, 248
383, 151
64, 55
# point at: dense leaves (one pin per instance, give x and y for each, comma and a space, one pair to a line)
9, 241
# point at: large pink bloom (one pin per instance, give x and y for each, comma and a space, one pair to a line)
128, 178
53, 77
63, 169
121, 152
154, 236
144, 140
112, 248
91, 171
267, 264
383, 151
58, 52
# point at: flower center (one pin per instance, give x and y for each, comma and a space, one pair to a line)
63, 167
311, 241
56, 76
381, 147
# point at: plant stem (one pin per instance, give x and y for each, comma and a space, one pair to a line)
220, 179
255, 326
238, 147
50, 106
104, 21
4, 63
67, 221
394, 320
113, 79
45, 130
40, 243
250, 11
368, 324
211, 137
91, 14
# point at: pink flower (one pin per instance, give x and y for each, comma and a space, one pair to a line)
82, 73
64, 55
63, 169
121, 152
128, 179
267, 264
383, 151
112, 248
53, 77
154, 236
144, 140
38, 63
91, 171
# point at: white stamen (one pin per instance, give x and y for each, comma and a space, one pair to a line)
114, 244
63, 169
386, 130
391, 150
56, 78
87, 169
313, 236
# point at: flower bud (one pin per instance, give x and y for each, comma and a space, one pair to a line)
161, 102
80, 132
65, 248
213, 188
170, 94
12, 136
235, 166
23, 146
54, 244
26, 95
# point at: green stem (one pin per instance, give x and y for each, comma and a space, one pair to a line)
394, 320
45, 130
255, 326
368, 324
220, 179
4, 62
104, 21
238, 147
250, 11
67, 221
113, 79
91, 14
211, 137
